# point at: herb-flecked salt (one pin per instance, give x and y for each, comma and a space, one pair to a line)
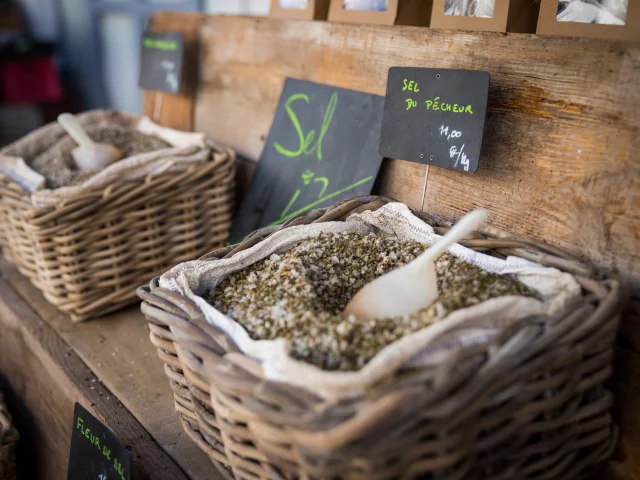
56, 163
300, 294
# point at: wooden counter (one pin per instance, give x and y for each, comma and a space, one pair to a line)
108, 365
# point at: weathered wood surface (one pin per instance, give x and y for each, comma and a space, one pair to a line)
560, 157
109, 365
111, 368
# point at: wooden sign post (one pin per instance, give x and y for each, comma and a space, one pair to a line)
161, 65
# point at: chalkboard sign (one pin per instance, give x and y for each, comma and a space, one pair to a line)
161, 61
322, 147
96, 454
435, 116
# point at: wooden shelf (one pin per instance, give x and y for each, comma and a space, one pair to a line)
108, 365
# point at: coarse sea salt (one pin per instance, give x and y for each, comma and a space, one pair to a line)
300, 295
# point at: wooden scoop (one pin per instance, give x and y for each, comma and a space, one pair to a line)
88, 155
413, 286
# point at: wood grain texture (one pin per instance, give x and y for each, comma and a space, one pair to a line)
559, 158
48, 377
176, 111
108, 364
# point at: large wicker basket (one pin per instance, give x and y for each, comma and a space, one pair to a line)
534, 407
8, 439
88, 253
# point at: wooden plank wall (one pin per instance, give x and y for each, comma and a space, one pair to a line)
560, 156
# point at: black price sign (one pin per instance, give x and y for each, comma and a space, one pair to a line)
322, 148
161, 61
96, 453
435, 116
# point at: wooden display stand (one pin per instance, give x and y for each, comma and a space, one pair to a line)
315, 10
517, 16
559, 163
399, 12
548, 25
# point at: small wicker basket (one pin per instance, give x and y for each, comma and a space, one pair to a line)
535, 407
89, 252
8, 439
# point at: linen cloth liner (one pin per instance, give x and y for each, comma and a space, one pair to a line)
476, 324
186, 148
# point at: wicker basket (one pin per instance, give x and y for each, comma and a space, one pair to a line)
89, 252
535, 406
8, 439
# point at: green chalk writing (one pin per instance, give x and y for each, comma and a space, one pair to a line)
410, 85
320, 200
118, 468
95, 441
305, 140
437, 105
290, 204
160, 44
86, 433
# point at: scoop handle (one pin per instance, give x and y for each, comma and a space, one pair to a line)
75, 130
467, 224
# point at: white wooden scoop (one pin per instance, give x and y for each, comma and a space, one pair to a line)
88, 155
413, 286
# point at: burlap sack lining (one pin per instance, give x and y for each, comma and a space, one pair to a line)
187, 148
477, 324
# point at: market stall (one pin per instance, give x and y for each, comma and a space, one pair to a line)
558, 165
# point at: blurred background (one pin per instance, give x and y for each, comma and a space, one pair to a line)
72, 55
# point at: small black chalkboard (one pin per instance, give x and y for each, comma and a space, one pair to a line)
435, 116
96, 453
161, 61
322, 148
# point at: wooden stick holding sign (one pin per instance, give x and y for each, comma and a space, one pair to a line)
436, 117
176, 110
161, 65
